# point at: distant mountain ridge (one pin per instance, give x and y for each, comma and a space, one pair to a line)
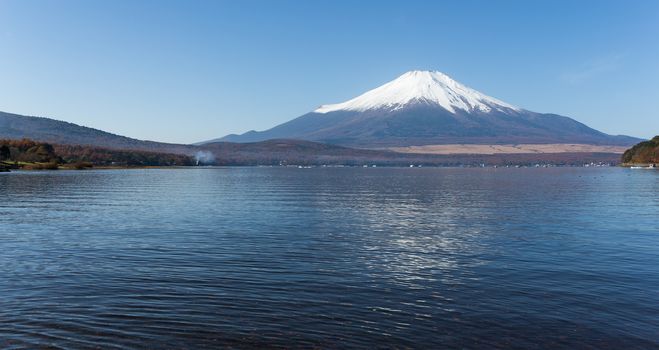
426, 108
15, 126
269, 152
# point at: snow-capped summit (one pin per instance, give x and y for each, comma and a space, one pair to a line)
431, 87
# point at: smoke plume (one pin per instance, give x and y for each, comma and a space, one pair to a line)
204, 158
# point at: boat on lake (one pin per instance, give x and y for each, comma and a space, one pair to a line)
651, 166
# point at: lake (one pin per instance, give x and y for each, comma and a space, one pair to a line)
528, 258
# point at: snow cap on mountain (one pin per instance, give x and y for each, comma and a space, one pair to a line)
430, 87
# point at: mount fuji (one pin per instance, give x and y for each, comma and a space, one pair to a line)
429, 108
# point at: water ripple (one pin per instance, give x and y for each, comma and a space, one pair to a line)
329, 258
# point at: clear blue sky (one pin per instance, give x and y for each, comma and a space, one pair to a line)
187, 71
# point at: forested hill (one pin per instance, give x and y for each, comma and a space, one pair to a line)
646, 152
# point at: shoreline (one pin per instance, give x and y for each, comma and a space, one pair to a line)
182, 167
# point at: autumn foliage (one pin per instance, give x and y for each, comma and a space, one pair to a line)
42, 155
643, 153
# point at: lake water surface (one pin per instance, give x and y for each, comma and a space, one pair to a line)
330, 258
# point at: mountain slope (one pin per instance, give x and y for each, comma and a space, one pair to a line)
425, 108
15, 126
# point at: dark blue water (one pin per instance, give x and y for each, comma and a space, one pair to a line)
330, 258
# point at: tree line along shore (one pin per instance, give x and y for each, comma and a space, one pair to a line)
33, 155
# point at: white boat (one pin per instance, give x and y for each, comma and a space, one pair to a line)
651, 166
